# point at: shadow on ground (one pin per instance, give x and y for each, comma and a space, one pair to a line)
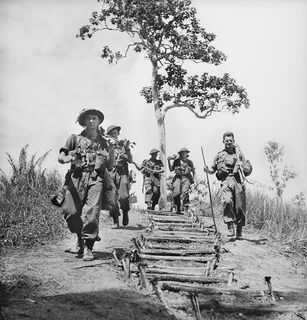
107, 304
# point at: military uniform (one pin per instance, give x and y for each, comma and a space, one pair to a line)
151, 181
232, 188
84, 181
121, 185
181, 182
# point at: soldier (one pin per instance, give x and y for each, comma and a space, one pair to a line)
184, 177
120, 176
152, 169
89, 154
230, 167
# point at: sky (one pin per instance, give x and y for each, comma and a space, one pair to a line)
47, 76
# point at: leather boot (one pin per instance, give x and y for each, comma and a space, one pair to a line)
239, 232
125, 218
231, 230
78, 248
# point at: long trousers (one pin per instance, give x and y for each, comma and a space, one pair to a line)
233, 200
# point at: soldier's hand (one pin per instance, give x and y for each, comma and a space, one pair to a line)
206, 169
66, 159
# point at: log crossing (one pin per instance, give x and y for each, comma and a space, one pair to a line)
183, 254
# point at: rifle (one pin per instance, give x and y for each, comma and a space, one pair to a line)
209, 189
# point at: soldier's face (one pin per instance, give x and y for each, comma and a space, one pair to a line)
154, 155
91, 121
114, 134
228, 141
184, 155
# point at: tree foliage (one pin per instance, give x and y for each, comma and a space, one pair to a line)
169, 33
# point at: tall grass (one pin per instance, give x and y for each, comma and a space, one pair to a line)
281, 220
27, 217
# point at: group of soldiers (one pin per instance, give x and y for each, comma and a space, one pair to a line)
99, 178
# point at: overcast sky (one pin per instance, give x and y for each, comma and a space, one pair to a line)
48, 75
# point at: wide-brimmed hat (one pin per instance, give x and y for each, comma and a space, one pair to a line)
85, 112
154, 151
183, 150
112, 127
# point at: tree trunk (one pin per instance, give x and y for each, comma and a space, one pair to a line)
161, 130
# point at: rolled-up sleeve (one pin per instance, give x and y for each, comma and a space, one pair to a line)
71, 144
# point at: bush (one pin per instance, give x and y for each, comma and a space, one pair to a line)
27, 216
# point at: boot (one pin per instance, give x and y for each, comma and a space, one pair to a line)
239, 232
231, 230
78, 248
88, 255
125, 218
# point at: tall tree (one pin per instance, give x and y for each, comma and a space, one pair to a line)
168, 33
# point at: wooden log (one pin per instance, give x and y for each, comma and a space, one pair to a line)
163, 301
176, 228
187, 224
162, 212
200, 271
170, 252
170, 220
196, 289
174, 258
116, 258
178, 239
183, 278
183, 234
144, 280
138, 244
195, 306
257, 309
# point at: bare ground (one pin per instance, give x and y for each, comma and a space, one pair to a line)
47, 283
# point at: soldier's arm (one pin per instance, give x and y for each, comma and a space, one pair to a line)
65, 155
213, 168
140, 168
170, 163
111, 156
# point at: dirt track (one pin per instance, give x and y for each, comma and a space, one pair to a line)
51, 284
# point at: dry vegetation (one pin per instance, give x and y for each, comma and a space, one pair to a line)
27, 217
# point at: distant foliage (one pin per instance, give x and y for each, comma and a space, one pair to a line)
26, 214
279, 172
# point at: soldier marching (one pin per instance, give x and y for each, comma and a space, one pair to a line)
98, 178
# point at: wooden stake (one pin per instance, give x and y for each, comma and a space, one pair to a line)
195, 306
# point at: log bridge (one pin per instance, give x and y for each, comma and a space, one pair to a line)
179, 259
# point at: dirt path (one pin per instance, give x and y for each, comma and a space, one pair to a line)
47, 283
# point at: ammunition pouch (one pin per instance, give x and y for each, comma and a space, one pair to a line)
221, 173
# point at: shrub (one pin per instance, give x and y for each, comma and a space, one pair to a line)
27, 217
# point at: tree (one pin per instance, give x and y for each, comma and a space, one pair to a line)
168, 33
279, 173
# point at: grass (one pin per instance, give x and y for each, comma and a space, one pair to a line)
281, 220
27, 217
285, 221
